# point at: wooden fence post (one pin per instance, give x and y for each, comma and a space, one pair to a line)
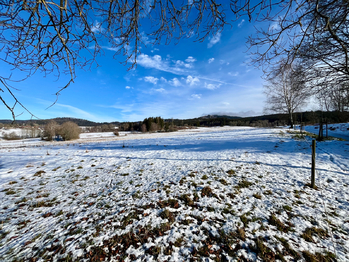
321, 131
313, 147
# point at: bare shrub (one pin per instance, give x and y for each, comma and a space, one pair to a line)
31, 132
144, 128
11, 136
116, 132
172, 128
69, 131
50, 130
153, 127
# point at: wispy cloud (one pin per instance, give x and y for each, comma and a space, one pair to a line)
233, 73
214, 40
210, 60
211, 79
178, 67
129, 87
212, 86
190, 59
125, 108
79, 113
160, 90
76, 110
97, 27
241, 23
175, 82
145, 39
195, 96
151, 79
180, 63
154, 50
274, 26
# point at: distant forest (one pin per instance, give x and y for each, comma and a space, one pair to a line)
307, 118
59, 120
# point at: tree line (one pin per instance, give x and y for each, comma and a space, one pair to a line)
150, 124
273, 120
289, 88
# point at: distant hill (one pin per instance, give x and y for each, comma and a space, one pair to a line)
59, 120
309, 117
219, 116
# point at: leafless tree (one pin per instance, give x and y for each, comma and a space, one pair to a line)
50, 130
54, 36
340, 98
316, 31
334, 97
324, 98
286, 90
153, 127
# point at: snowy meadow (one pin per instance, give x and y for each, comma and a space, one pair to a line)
223, 194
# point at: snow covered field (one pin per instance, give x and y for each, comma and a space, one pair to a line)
335, 130
236, 194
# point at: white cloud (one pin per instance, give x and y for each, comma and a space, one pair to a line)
160, 90
212, 86
226, 103
191, 33
145, 38
192, 80
274, 26
175, 82
241, 23
190, 59
233, 73
97, 27
155, 49
129, 87
214, 40
150, 62
151, 79
163, 79
210, 60
196, 96
180, 63
179, 67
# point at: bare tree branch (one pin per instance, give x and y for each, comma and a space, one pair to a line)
51, 36
286, 89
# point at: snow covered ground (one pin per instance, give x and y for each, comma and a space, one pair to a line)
232, 194
19, 133
336, 130
106, 136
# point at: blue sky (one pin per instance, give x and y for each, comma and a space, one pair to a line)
186, 80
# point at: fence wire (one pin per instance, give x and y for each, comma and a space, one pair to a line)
322, 192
